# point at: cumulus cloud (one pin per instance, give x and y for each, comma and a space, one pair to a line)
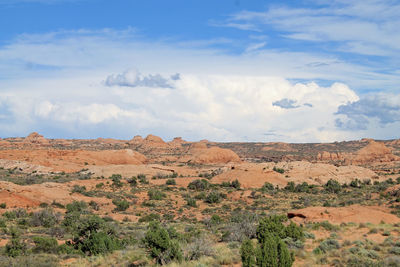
230, 99
358, 114
133, 78
286, 103
217, 107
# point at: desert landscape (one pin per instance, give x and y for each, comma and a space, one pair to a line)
145, 201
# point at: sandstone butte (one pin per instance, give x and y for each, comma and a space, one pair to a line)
374, 152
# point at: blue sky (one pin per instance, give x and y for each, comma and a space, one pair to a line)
227, 70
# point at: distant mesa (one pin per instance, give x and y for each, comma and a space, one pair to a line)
154, 139
136, 140
199, 153
375, 152
35, 138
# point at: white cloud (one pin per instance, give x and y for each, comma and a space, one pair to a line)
363, 26
217, 96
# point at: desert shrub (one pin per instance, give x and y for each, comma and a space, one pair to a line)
272, 224
44, 244
15, 247
15, 214
200, 247
247, 253
155, 194
170, 182
333, 186
293, 231
199, 185
325, 224
150, 217
40, 260
116, 180
355, 183
142, 179
242, 226
235, 184
93, 235
45, 217
273, 252
132, 181
214, 197
78, 189
329, 244
56, 232
99, 185
120, 204
77, 206
2, 223
161, 247
191, 202
268, 186
57, 205
94, 205
278, 170
3, 205
271, 249
290, 187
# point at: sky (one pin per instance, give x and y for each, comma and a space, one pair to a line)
226, 70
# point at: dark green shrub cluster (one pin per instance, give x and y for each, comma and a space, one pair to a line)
78, 189
199, 185
299, 188
170, 182
333, 186
92, 235
271, 250
45, 244
279, 170
214, 197
45, 217
235, 184
155, 194
16, 246
120, 204
116, 180
191, 202
142, 179
162, 247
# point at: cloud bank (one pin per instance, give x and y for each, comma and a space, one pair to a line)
85, 88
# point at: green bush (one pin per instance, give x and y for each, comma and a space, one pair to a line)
170, 181
44, 244
78, 206
271, 249
116, 179
155, 194
279, 170
120, 204
162, 248
78, 189
3, 205
45, 217
191, 202
333, 186
93, 235
150, 217
247, 253
235, 184
15, 247
142, 179
199, 185
214, 197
